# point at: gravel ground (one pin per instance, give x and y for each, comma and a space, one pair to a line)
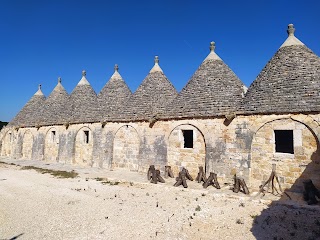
40, 206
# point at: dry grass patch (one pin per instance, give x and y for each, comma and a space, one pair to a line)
55, 173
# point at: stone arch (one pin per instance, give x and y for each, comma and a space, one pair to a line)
83, 147
51, 145
7, 144
191, 158
126, 145
27, 145
290, 167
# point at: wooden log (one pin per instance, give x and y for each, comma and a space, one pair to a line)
236, 185
215, 181
168, 172
270, 181
212, 180
187, 174
154, 178
243, 185
201, 175
310, 193
209, 180
159, 178
149, 174
178, 182
181, 179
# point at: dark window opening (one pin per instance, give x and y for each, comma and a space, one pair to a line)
188, 138
86, 136
10, 137
284, 141
53, 134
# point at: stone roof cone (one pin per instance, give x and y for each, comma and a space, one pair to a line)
27, 115
289, 83
154, 93
113, 95
85, 108
56, 108
213, 90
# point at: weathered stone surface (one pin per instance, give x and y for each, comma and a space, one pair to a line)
85, 107
151, 97
112, 97
57, 108
289, 83
213, 90
30, 112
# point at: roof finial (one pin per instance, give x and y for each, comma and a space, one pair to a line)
212, 46
156, 59
291, 29
39, 87
84, 73
116, 67
59, 79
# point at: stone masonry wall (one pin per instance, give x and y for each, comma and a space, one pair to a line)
242, 146
191, 158
292, 169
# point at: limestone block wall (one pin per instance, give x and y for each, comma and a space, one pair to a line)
179, 156
292, 168
126, 149
8, 139
244, 146
27, 145
83, 147
51, 145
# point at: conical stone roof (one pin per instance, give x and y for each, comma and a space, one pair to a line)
85, 107
213, 90
113, 96
151, 97
289, 83
56, 108
28, 115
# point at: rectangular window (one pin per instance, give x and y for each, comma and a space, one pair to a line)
53, 135
188, 138
86, 136
10, 137
284, 141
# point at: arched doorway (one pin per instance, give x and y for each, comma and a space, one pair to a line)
84, 147
292, 147
27, 145
51, 146
126, 148
187, 149
6, 144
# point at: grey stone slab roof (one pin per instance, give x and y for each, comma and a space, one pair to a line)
113, 96
213, 90
289, 83
30, 112
85, 107
151, 97
56, 108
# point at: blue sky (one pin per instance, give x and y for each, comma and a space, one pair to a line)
42, 40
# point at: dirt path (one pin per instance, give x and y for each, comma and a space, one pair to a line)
40, 206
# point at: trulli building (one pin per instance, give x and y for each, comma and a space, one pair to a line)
215, 121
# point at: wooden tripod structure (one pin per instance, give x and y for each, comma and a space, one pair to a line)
271, 181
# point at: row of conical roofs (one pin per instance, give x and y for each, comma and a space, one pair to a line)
289, 83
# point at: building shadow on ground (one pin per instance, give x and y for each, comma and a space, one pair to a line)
291, 217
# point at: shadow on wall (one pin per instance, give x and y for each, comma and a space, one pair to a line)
292, 218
